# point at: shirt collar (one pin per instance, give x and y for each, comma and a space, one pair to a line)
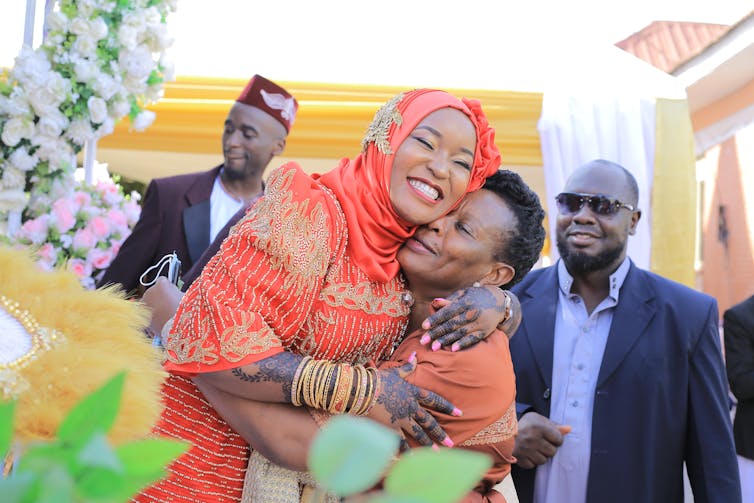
565, 280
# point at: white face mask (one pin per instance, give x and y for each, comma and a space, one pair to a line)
173, 264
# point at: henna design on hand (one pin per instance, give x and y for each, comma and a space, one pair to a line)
278, 368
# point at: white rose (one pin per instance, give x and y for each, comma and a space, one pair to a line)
119, 108
79, 131
143, 120
79, 26
16, 104
17, 129
105, 86
168, 69
13, 178
86, 7
57, 21
137, 63
106, 128
85, 70
98, 28
12, 200
127, 36
97, 109
21, 159
86, 45
160, 39
51, 125
31, 66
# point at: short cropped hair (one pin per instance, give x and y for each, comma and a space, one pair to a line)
520, 248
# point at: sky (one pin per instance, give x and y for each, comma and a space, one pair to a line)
471, 43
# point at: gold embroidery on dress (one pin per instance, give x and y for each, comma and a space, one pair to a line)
295, 238
502, 429
380, 126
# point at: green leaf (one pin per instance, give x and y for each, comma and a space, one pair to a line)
95, 413
97, 453
350, 454
7, 409
443, 476
101, 484
18, 487
56, 486
43, 457
149, 456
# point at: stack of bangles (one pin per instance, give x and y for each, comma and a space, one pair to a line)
338, 388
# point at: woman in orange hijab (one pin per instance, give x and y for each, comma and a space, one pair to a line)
493, 238
305, 291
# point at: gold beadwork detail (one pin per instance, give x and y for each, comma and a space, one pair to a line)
380, 126
42, 339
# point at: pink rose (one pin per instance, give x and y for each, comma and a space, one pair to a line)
99, 258
117, 218
63, 215
48, 253
132, 211
35, 230
79, 267
82, 199
99, 226
84, 240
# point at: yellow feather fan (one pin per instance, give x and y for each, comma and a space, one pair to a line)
102, 335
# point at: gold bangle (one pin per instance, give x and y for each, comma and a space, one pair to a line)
342, 389
295, 384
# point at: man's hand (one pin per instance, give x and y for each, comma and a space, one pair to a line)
538, 439
162, 299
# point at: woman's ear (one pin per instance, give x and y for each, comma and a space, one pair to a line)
500, 274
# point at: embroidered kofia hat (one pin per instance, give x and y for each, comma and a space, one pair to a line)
271, 98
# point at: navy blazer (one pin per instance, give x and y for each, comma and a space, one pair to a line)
175, 216
661, 396
738, 327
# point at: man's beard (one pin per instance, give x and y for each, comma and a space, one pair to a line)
580, 263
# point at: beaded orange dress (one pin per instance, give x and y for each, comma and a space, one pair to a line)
311, 270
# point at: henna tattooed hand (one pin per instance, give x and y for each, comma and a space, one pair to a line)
401, 405
468, 316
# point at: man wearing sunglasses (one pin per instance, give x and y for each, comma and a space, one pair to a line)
619, 372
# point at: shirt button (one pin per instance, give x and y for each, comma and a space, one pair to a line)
585, 329
575, 403
580, 366
546, 394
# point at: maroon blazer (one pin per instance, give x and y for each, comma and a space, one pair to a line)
175, 216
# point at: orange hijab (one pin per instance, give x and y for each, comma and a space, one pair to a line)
362, 185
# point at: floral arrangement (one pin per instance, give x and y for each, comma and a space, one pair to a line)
100, 60
81, 229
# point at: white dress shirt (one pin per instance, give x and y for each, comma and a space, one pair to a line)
222, 206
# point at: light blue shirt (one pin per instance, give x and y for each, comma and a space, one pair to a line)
578, 346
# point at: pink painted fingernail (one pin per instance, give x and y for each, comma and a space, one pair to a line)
457, 412
455, 347
447, 442
438, 299
425, 339
435, 447
412, 358
425, 325
435, 345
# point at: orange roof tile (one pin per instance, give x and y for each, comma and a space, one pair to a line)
667, 44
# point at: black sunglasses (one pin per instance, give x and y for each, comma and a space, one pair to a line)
569, 203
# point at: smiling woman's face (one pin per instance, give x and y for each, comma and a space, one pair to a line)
432, 167
458, 249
